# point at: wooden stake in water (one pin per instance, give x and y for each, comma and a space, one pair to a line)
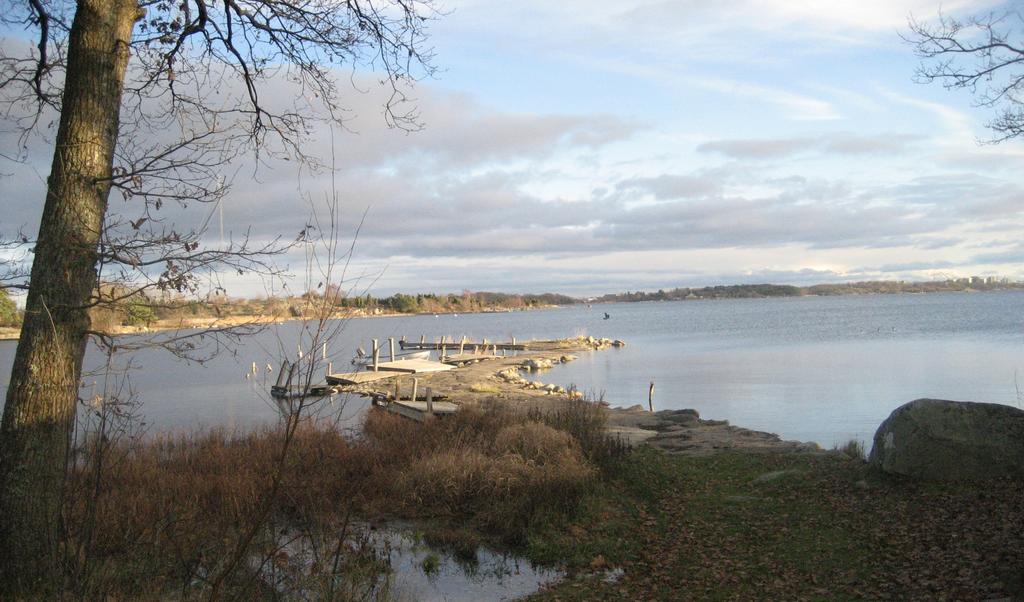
650, 397
282, 373
391, 348
324, 351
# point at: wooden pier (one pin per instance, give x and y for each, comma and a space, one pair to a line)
418, 410
358, 378
464, 345
461, 359
410, 366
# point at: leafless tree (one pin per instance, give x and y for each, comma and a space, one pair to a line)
154, 99
983, 54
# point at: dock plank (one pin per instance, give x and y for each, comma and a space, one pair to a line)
358, 378
412, 366
466, 358
417, 410
466, 346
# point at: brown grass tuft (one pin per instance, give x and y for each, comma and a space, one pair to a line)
171, 512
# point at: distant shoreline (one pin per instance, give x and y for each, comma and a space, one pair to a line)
8, 333
736, 291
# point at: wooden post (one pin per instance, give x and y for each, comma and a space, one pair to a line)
330, 368
430, 403
415, 385
423, 339
650, 397
391, 347
324, 351
254, 370
482, 344
282, 373
376, 354
462, 345
397, 389
515, 352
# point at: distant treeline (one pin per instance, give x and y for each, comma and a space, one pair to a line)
138, 310
466, 301
756, 291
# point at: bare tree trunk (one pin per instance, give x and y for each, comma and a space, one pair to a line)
40, 411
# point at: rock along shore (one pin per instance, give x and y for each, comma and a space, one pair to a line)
516, 382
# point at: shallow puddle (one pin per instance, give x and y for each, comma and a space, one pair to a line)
424, 574
391, 561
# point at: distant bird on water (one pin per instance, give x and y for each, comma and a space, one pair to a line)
606, 316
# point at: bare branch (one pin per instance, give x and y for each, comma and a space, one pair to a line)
981, 54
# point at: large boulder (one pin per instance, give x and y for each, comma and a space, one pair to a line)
951, 440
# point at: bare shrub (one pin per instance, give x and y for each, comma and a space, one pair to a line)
585, 420
536, 443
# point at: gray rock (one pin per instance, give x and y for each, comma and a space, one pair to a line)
537, 364
687, 416
937, 439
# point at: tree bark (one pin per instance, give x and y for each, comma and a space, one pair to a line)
39, 414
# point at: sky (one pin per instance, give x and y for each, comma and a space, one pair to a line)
604, 146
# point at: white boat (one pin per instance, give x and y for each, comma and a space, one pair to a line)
367, 360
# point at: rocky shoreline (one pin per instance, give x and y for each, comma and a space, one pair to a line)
514, 382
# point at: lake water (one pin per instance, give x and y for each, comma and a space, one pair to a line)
822, 369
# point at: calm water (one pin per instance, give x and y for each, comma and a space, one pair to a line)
822, 369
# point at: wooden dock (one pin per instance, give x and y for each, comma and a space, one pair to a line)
417, 410
464, 345
358, 378
411, 366
460, 359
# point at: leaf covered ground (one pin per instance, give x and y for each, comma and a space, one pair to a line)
788, 527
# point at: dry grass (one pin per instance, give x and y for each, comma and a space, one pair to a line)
187, 514
585, 421
853, 449
483, 387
